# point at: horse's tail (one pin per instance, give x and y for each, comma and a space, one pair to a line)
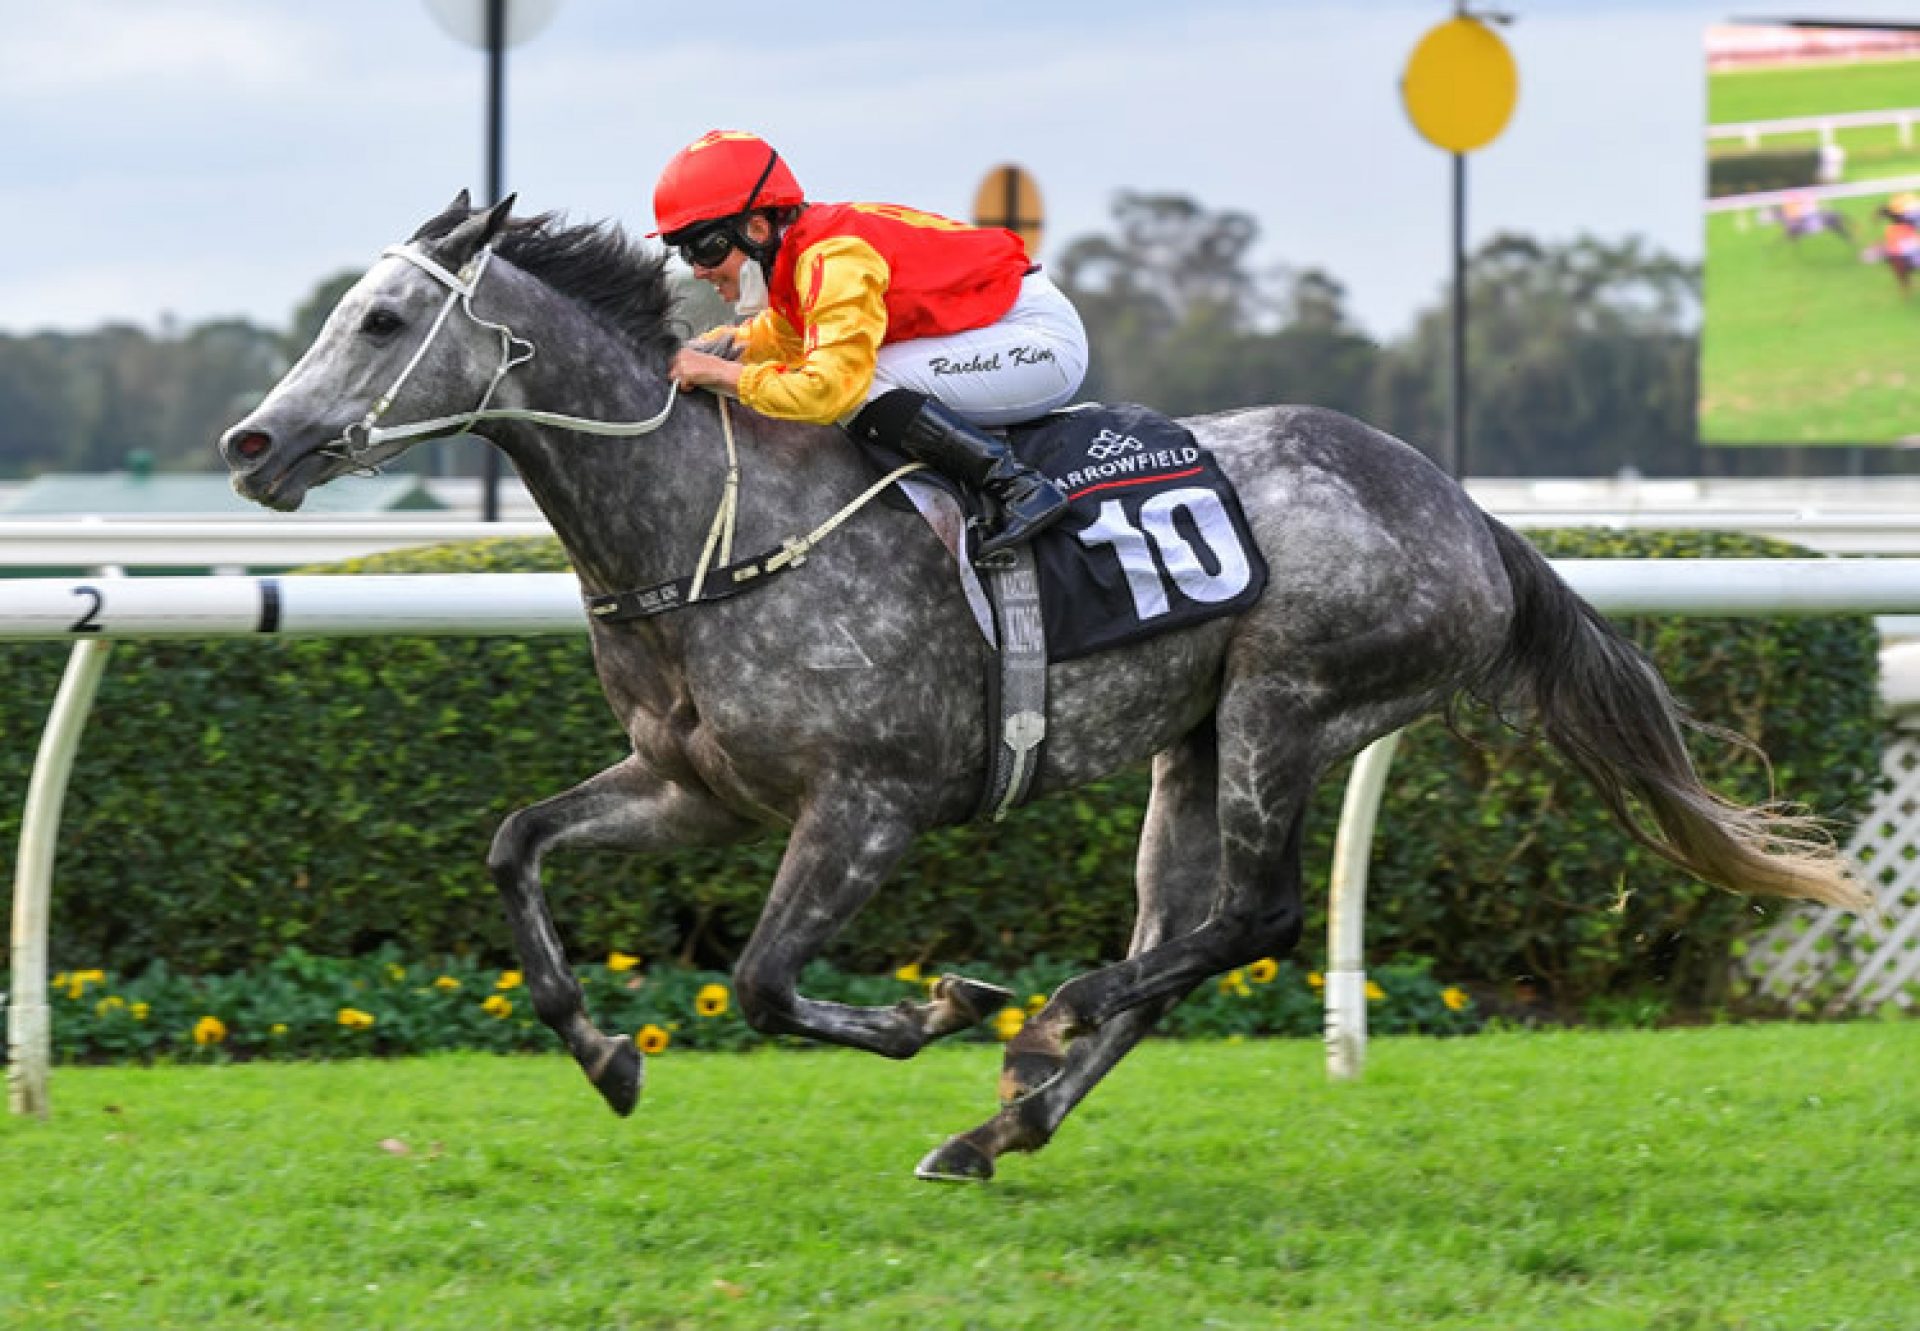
1602, 704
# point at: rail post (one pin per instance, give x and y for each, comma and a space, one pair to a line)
1346, 977
29, 1020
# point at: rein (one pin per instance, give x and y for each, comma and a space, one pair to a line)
706, 582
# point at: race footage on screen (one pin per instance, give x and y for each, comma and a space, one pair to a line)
1812, 235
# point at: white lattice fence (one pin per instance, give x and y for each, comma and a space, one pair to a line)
1839, 961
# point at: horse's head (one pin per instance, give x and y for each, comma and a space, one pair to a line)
322, 419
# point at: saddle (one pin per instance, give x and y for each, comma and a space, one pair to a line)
1153, 540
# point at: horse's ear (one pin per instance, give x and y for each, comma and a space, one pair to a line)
497, 218
479, 229
443, 222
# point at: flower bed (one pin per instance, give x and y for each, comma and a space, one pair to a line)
304, 1006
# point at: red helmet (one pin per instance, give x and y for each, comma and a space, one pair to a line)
723, 173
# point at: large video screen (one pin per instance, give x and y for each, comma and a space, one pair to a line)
1812, 317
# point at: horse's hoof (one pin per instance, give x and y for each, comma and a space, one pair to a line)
1026, 1073
620, 1075
955, 1161
975, 1000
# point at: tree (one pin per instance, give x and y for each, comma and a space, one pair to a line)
1179, 319
1582, 359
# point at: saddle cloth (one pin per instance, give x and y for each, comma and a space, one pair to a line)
1154, 540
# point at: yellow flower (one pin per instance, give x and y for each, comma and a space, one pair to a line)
111, 1003
354, 1019
1315, 980
396, 972
652, 1039
1455, 999
446, 984
508, 980
78, 981
140, 1011
1374, 992
209, 1030
278, 1029
909, 973
1263, 970
621, 961
1008, 1021
1035, 1002
496, 1006
1235, 982
711, 1001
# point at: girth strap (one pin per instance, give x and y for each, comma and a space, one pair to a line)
1016, 683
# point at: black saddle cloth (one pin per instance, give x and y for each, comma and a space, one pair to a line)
1154, 539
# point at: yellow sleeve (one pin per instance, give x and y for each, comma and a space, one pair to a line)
767, 337
764, 337
842, 284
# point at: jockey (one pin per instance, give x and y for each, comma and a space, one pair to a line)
910, 330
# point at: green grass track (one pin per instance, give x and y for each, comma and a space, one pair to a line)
1739, 96
1759, 1178
1802, 342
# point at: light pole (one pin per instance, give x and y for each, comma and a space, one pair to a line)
493, 25
1459, 88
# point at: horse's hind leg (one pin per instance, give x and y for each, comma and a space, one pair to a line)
1268, 766
1178, 863
844, 845
625, 807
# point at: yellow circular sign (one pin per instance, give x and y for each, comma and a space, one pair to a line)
1460, 85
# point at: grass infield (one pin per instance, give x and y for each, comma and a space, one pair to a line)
1802, 342
1781, 92
1757, 1178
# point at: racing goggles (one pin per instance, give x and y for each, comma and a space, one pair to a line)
706, 246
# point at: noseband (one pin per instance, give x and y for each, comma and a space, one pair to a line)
367, 434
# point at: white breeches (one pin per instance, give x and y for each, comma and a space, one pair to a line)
1024, 366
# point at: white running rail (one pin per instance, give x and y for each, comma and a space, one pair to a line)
92, 612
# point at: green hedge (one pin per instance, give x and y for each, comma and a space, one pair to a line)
1753, 172
237, 798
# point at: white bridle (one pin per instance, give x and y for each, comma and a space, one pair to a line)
366, 435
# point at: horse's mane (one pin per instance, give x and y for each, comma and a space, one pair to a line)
595, 264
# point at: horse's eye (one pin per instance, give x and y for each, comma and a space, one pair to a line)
381, 323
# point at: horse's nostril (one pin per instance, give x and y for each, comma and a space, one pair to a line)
252, 444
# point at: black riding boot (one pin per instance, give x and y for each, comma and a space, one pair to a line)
928, 431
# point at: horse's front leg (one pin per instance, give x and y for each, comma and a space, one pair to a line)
844, 845
626, 807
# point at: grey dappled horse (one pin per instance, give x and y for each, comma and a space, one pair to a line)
843, 701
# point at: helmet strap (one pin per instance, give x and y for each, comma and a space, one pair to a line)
761, 252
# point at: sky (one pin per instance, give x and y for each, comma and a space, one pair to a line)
176, 161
